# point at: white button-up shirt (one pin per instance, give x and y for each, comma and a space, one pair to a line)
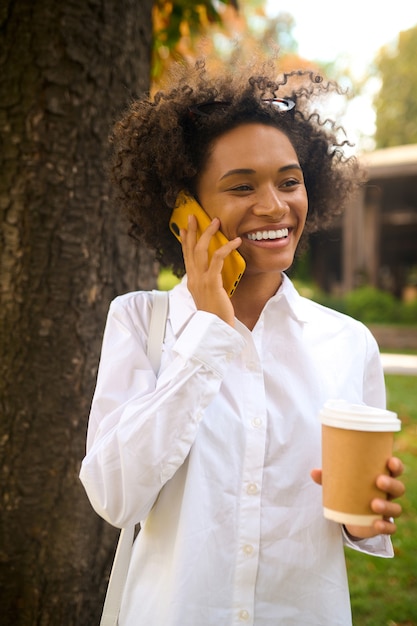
213, 457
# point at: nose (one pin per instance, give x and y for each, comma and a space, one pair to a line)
271, 203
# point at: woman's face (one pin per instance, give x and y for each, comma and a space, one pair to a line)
253, 183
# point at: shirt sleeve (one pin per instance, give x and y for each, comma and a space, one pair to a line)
141, 428
373, 383
373, 395
380, 545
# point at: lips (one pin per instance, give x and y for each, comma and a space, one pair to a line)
268, 235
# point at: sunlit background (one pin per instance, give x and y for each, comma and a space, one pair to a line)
349, 34
342, 40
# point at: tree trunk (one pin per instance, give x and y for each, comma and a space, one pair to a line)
67, 69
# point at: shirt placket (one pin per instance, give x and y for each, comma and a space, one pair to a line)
251, 487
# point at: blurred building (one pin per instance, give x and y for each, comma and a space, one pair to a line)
376, 241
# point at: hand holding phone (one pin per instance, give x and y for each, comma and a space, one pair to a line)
234, 264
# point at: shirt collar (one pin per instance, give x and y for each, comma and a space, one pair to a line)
297, 304
182, 305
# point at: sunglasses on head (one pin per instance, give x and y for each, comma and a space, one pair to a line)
280, 104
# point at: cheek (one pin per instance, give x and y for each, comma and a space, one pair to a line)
230, 216
303, 208
305, 214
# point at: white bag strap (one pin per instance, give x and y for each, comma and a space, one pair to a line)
118, 576
121, 561
157, 328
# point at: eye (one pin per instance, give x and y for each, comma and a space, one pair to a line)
291, 182
242, 188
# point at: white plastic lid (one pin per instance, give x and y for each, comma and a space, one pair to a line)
342, 414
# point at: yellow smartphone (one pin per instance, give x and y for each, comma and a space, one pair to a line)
234, 264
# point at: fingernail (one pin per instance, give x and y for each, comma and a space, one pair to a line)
378, 505
383, 482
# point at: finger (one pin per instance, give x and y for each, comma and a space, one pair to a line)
384, 527
395, 466
187, 234
393, 487
196, 244
386, 508
211, 229
201, 247
191, 233
218, 257
189, 240
316, 475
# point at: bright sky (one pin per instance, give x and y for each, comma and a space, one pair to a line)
352, 30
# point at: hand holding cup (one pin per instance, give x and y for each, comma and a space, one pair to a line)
360, 475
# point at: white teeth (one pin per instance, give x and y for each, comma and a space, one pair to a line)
268, 234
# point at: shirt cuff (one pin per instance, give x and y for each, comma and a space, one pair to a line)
209, 340
381, 545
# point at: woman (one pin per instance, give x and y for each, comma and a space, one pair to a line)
214, 456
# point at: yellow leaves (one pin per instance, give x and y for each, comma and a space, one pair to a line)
219, 31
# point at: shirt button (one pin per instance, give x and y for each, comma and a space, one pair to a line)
257, 422
243, 615
252, 488
248, 549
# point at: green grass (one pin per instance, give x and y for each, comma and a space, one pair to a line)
384, 591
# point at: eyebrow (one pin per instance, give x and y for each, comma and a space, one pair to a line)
291, 166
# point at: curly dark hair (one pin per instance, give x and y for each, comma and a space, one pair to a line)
160, 147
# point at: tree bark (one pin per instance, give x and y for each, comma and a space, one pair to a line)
67, 68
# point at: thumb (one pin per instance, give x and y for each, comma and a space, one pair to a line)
316, 475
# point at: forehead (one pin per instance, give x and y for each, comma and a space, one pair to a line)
251, 143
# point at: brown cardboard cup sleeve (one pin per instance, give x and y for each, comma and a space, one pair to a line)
357, 441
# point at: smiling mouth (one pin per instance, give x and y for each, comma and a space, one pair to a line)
267, 235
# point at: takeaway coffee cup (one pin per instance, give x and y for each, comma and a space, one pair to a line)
357, 442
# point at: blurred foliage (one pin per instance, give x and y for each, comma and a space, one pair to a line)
367, 304
396, 102
371, 305
185, 30
178, 20
167, 280
408, 312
